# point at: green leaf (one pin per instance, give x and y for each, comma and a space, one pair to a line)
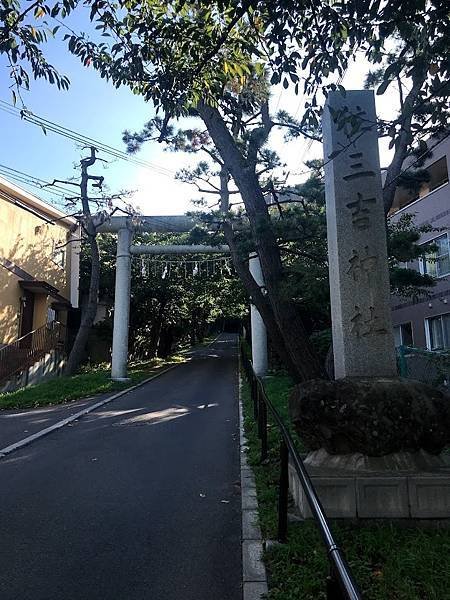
392, 71
383, 87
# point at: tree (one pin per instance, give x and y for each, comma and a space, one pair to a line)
185, 55
90, 223
211, 60
22, 32
299, 219
403, 247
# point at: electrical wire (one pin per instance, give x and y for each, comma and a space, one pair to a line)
48, 125
37, 181
29, 181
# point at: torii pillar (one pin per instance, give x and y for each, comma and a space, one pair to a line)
258, 329
121, 305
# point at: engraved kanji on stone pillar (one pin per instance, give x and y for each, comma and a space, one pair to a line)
363, 341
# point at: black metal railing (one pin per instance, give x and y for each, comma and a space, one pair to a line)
340, 582
28, 349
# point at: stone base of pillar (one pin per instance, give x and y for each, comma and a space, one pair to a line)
392, 487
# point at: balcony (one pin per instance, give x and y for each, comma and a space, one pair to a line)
438, 179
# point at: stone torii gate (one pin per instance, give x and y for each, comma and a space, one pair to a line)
125, 227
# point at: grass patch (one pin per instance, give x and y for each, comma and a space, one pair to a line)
389, 562
92, 380
278, 388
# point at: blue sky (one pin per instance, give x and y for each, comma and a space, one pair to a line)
95, 108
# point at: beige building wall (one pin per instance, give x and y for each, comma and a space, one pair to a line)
31, 244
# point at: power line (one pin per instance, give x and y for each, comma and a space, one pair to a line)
278, 101
17, 178
37, 180
46, 124
24, 181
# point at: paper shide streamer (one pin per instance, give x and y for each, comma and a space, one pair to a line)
164, 269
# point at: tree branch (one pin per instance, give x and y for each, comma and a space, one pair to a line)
222, 39
61, 181
299, 130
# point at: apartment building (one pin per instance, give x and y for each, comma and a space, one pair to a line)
426, 323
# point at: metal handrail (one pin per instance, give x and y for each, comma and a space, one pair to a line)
29, 348
340, 584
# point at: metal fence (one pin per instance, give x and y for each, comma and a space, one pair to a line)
28, 349
431, 367
340, 584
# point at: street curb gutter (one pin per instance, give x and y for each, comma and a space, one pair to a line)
31, 438
254, 578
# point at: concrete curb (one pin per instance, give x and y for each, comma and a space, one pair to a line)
31, 438
254, 578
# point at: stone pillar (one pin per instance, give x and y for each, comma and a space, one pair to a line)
121, 306
363, 340
258, 329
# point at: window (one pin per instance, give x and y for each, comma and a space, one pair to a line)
438, 332
403, 335
59, 255
437, 263
438, 175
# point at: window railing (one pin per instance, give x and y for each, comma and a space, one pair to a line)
340, 584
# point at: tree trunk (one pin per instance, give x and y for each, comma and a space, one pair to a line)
302, 360
260, 302
403, 141
166, 342
89, 311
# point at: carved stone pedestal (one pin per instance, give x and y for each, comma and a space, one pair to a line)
397, 486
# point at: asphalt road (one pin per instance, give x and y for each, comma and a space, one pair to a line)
16, 425
138, 500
